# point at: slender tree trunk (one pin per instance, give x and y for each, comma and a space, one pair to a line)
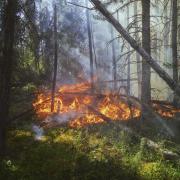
128, 61
6, 63
94, 47
48, 66
179, 30
138, 58
154, 44
146, 44
55, 59
114, 59
90, 47
174, 45
167, 31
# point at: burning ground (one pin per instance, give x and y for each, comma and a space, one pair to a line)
76, 105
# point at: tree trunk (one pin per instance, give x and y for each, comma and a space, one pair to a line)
138, 58
6, 63
55, 59
90, 47
151, 61
166, 32
174, 45
146, 44
114, 60
128, 61
47, 56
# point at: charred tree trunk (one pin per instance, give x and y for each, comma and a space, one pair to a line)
114, 60
174, 45
146, 44
6, 63
90, 47
55, 59
151, 61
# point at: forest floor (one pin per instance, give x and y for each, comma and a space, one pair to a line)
100, 151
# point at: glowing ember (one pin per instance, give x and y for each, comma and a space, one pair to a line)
77, 98
166, 110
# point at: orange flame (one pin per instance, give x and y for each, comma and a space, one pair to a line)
71, 98
76, 98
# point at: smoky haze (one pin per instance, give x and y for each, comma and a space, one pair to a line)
104, 36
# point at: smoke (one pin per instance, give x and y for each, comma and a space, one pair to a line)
102, 36
83, 60
38, 131
61, 118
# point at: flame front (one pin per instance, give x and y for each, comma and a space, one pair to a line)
77, 98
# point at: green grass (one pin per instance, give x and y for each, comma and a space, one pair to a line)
97, 152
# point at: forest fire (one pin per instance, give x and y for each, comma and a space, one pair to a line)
78, 100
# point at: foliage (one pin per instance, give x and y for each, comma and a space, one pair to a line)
95, 152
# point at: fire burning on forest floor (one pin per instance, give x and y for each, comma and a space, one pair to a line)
74, 103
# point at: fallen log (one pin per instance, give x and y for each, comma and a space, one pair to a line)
167, 154
118, 80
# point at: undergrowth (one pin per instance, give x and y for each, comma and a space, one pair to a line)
96, 152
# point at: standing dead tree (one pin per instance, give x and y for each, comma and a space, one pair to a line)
138, 58
90, 46
55, 59
174, 44
146, 44
114, 59
128, 61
